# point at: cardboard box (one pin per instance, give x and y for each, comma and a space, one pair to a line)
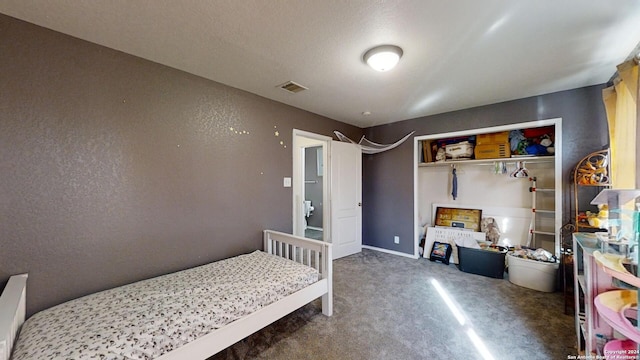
493, 138
493, 151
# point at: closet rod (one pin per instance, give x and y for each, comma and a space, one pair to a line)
489, 162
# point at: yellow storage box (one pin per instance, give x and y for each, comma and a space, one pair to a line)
493, 138
492, 151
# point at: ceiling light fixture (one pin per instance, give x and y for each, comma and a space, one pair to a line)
383, 57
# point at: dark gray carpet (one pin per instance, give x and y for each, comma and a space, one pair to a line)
386, 307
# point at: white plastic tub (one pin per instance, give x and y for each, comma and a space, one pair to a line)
532, 274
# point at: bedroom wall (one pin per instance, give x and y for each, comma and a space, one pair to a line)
388, 188
116, 169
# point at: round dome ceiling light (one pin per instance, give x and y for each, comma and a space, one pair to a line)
383, 57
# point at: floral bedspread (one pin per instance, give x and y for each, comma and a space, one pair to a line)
147, 319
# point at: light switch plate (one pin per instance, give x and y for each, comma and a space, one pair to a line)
287, 182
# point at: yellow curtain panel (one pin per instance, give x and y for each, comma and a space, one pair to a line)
621, 107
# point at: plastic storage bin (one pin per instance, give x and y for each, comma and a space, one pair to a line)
482, 262
532, 274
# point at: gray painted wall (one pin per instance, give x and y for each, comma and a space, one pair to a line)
116, 169
388, 185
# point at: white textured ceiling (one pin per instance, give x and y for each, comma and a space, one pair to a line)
457, 54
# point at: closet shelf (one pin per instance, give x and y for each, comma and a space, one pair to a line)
614, 265
544, 211
482, 162
543, 232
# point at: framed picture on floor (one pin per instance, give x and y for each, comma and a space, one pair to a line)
459, 218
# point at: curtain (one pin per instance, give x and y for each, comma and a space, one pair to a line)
621, 106
621, 101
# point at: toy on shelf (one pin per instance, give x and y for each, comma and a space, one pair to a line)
593, 170
613, 265
616, 307
600, 218
532, 142
622, 219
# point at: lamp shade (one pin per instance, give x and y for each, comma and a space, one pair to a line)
384, 57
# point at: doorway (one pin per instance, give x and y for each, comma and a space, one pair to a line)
310, 185
339, 165
313, 192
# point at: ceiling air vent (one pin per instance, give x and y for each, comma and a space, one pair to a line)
292, 87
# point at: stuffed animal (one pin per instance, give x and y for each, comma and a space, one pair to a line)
490, 227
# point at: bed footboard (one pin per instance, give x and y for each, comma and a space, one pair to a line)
316, 254
12, 313
313, 253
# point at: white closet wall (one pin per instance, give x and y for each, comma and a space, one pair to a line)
497, 195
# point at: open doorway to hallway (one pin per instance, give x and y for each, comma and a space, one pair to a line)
310, 185
341, 172
314, 178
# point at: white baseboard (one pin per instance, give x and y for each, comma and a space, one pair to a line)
392, 252
314, 228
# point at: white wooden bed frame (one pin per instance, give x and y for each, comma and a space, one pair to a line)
313, 253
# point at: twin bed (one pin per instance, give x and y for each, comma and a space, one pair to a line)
190, 314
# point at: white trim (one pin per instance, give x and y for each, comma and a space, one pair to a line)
486, 130
392, 252
307, 134
314, 228
416, 220
298, 182
558, 184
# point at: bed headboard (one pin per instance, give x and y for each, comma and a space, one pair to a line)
13, 307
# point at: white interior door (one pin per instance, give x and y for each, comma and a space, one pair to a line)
346, 198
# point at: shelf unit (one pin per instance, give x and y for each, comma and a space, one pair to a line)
606, 286
590, 280
538, 229
590, 176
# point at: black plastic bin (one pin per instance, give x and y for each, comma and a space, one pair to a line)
482, 262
